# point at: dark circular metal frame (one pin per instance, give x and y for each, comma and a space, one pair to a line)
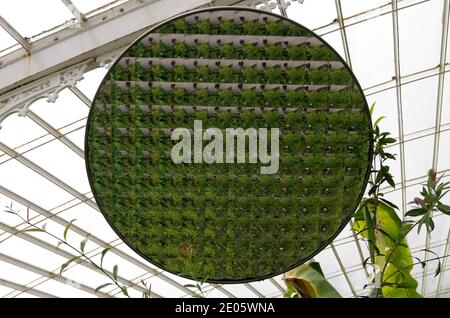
369, 156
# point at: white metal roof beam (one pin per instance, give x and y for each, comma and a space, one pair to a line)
65, 254
77, 13
51, 275
399, 102
30, 164
96, 240
15, 34
340, 19
102, 33
23, 289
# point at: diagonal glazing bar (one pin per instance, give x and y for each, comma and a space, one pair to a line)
28, 163
77, 13
82, 96
15, 34
341, 265
60, 252
66, 141
96, 240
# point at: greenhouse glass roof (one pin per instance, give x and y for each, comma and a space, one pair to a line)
53, 57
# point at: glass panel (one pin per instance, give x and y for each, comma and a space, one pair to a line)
348, 253
32, 17
341, 285
87, 6
19, 130
67, 109
16, 274
420, 29
77, 137
445, 119
63, 163
6, 40
351, 7
91, 82
335, 40
444, 151
28, 184
327, 261
64, 290
419, 105
372, 50
386, 105
418, 157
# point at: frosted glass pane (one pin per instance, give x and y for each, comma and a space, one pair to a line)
313, 14
372, 50
420, 29
352, 7
419, 105
418, 157
32, 17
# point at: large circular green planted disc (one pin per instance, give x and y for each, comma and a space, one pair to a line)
229, 68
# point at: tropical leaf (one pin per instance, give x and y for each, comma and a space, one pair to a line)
309, 282
102, 286
389, 240
67, 229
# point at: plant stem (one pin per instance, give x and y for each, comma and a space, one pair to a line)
412, 265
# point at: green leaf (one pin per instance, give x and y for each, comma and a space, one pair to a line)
32, 230
389, 141
190, 286
83, 244
372, 107
309, 282
66, 264
389, 203
392, 246
125, 290
443, 208
389, 180
115, 271
103, 256
67, 229
416, 212
438, 269
378, 120
102, 286
430, 224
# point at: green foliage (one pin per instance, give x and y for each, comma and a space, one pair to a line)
275, 28
274, 51
251, 52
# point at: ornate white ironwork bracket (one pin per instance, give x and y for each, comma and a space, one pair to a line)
49, 87
270, 5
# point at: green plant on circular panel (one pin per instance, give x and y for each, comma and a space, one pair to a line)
228, 68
